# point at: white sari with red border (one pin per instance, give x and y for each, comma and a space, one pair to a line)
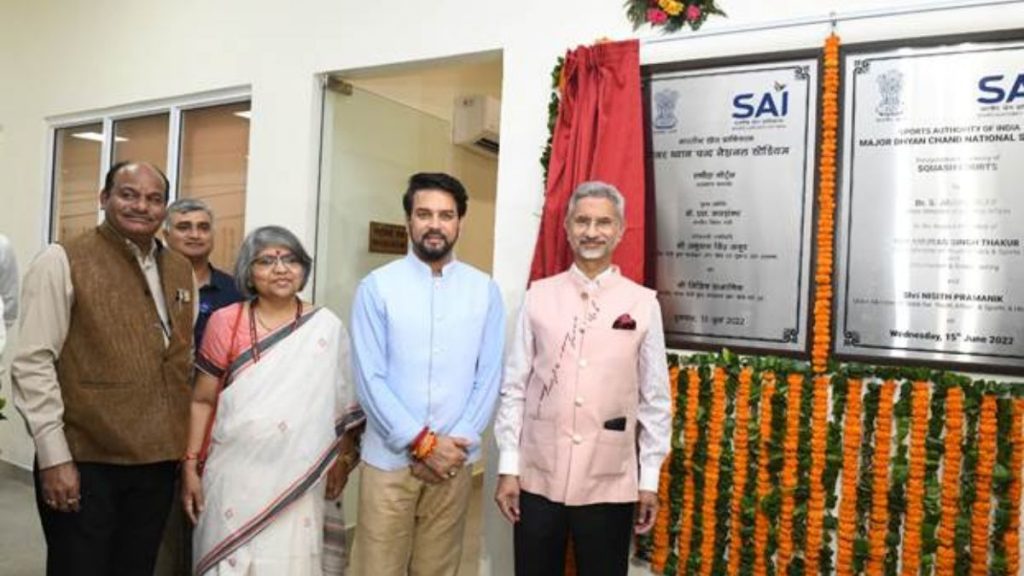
275, 435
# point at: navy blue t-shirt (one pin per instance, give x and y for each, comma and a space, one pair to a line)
220, 292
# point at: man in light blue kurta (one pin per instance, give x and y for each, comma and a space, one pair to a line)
427, 339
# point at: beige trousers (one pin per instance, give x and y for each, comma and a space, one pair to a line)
409, 527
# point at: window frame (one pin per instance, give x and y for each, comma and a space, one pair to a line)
174, 107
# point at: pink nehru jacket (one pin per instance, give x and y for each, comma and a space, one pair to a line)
585, 374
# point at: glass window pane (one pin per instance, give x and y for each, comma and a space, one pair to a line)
142, 139
76, 179
213, 168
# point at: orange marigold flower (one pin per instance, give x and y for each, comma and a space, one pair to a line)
983, 486
945, 558
851, 461
763, 478
880, 482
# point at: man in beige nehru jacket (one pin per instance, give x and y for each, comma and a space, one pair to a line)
101, 374
584, 419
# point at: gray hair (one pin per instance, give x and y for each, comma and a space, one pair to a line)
184, 206
598, 189
260, 239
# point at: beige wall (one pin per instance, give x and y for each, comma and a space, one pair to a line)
479, 175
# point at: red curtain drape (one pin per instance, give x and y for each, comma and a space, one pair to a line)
598, 136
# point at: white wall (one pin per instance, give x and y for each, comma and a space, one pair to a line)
59, 57
375, 143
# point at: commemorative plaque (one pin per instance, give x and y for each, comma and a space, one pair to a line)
931, 216
733, 151
388, 238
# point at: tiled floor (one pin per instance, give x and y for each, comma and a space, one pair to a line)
21, 538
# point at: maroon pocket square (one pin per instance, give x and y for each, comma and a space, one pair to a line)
624, 322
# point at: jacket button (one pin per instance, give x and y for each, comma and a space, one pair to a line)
579, 401
583, 362
584, 295
577, 439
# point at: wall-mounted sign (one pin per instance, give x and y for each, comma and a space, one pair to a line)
931, 215
733, 173
388, 238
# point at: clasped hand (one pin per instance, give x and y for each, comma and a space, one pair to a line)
444, 461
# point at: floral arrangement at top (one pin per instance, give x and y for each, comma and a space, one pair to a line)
671, 15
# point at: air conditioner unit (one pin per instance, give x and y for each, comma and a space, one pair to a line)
475, 124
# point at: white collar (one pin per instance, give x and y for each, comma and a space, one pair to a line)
596, 281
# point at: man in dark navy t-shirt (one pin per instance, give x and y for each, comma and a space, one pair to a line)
189, 231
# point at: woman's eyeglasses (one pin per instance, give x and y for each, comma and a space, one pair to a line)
269, 262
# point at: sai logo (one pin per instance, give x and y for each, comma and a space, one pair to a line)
665, 109
769, 104
890, 88
995, 93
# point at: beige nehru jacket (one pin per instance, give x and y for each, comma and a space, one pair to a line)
47, 299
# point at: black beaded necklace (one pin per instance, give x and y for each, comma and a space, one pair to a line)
252, 324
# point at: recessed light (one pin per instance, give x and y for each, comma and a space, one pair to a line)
95, 137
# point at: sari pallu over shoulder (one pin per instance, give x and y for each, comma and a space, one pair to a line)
276, 432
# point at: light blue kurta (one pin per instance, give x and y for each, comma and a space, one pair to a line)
427, 351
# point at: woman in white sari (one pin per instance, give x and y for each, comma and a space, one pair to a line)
270, 411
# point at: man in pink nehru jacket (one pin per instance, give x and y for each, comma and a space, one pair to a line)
584, 420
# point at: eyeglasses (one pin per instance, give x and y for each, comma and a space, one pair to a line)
269, 262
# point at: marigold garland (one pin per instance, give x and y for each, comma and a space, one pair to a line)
789, 469
726, 475
826, 206
711, 471
945, 556
699, 462
913, 498
816, 500
847, 530
740, 465
1011, 538
880, 481
933, 474
983, 486
919, 404
763, 478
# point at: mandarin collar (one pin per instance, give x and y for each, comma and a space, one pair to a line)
602, 278
425, 268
